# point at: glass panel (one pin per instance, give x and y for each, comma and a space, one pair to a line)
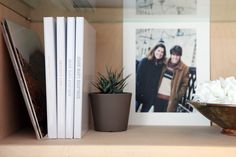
108, 11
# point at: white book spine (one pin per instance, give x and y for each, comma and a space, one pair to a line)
88, 72
61, 48
50, 71
78, 76
70, 76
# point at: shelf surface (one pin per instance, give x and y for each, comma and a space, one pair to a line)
136, 135
138, 140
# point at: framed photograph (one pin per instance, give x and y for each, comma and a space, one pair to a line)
164, 10
139, 41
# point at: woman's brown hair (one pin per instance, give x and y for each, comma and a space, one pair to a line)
151, 54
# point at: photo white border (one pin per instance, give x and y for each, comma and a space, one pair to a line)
202, 65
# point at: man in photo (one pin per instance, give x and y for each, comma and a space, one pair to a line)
174, 82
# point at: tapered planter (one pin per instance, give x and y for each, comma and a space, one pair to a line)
110, 111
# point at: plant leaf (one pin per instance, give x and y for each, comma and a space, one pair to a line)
112, 82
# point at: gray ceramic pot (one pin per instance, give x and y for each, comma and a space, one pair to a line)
110, 111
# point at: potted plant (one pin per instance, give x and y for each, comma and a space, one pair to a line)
110, 106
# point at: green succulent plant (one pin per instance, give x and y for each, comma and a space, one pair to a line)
113, 82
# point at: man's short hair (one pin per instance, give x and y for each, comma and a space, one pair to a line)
176, 50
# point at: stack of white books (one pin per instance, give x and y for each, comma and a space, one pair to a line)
69, 68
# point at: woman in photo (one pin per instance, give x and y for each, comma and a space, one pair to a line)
148, 75
174, 82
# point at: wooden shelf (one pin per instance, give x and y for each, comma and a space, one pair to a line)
138, 141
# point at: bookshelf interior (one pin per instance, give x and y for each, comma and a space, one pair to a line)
108, 24
138, 141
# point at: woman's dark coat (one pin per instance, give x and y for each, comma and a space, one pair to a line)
147, 80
